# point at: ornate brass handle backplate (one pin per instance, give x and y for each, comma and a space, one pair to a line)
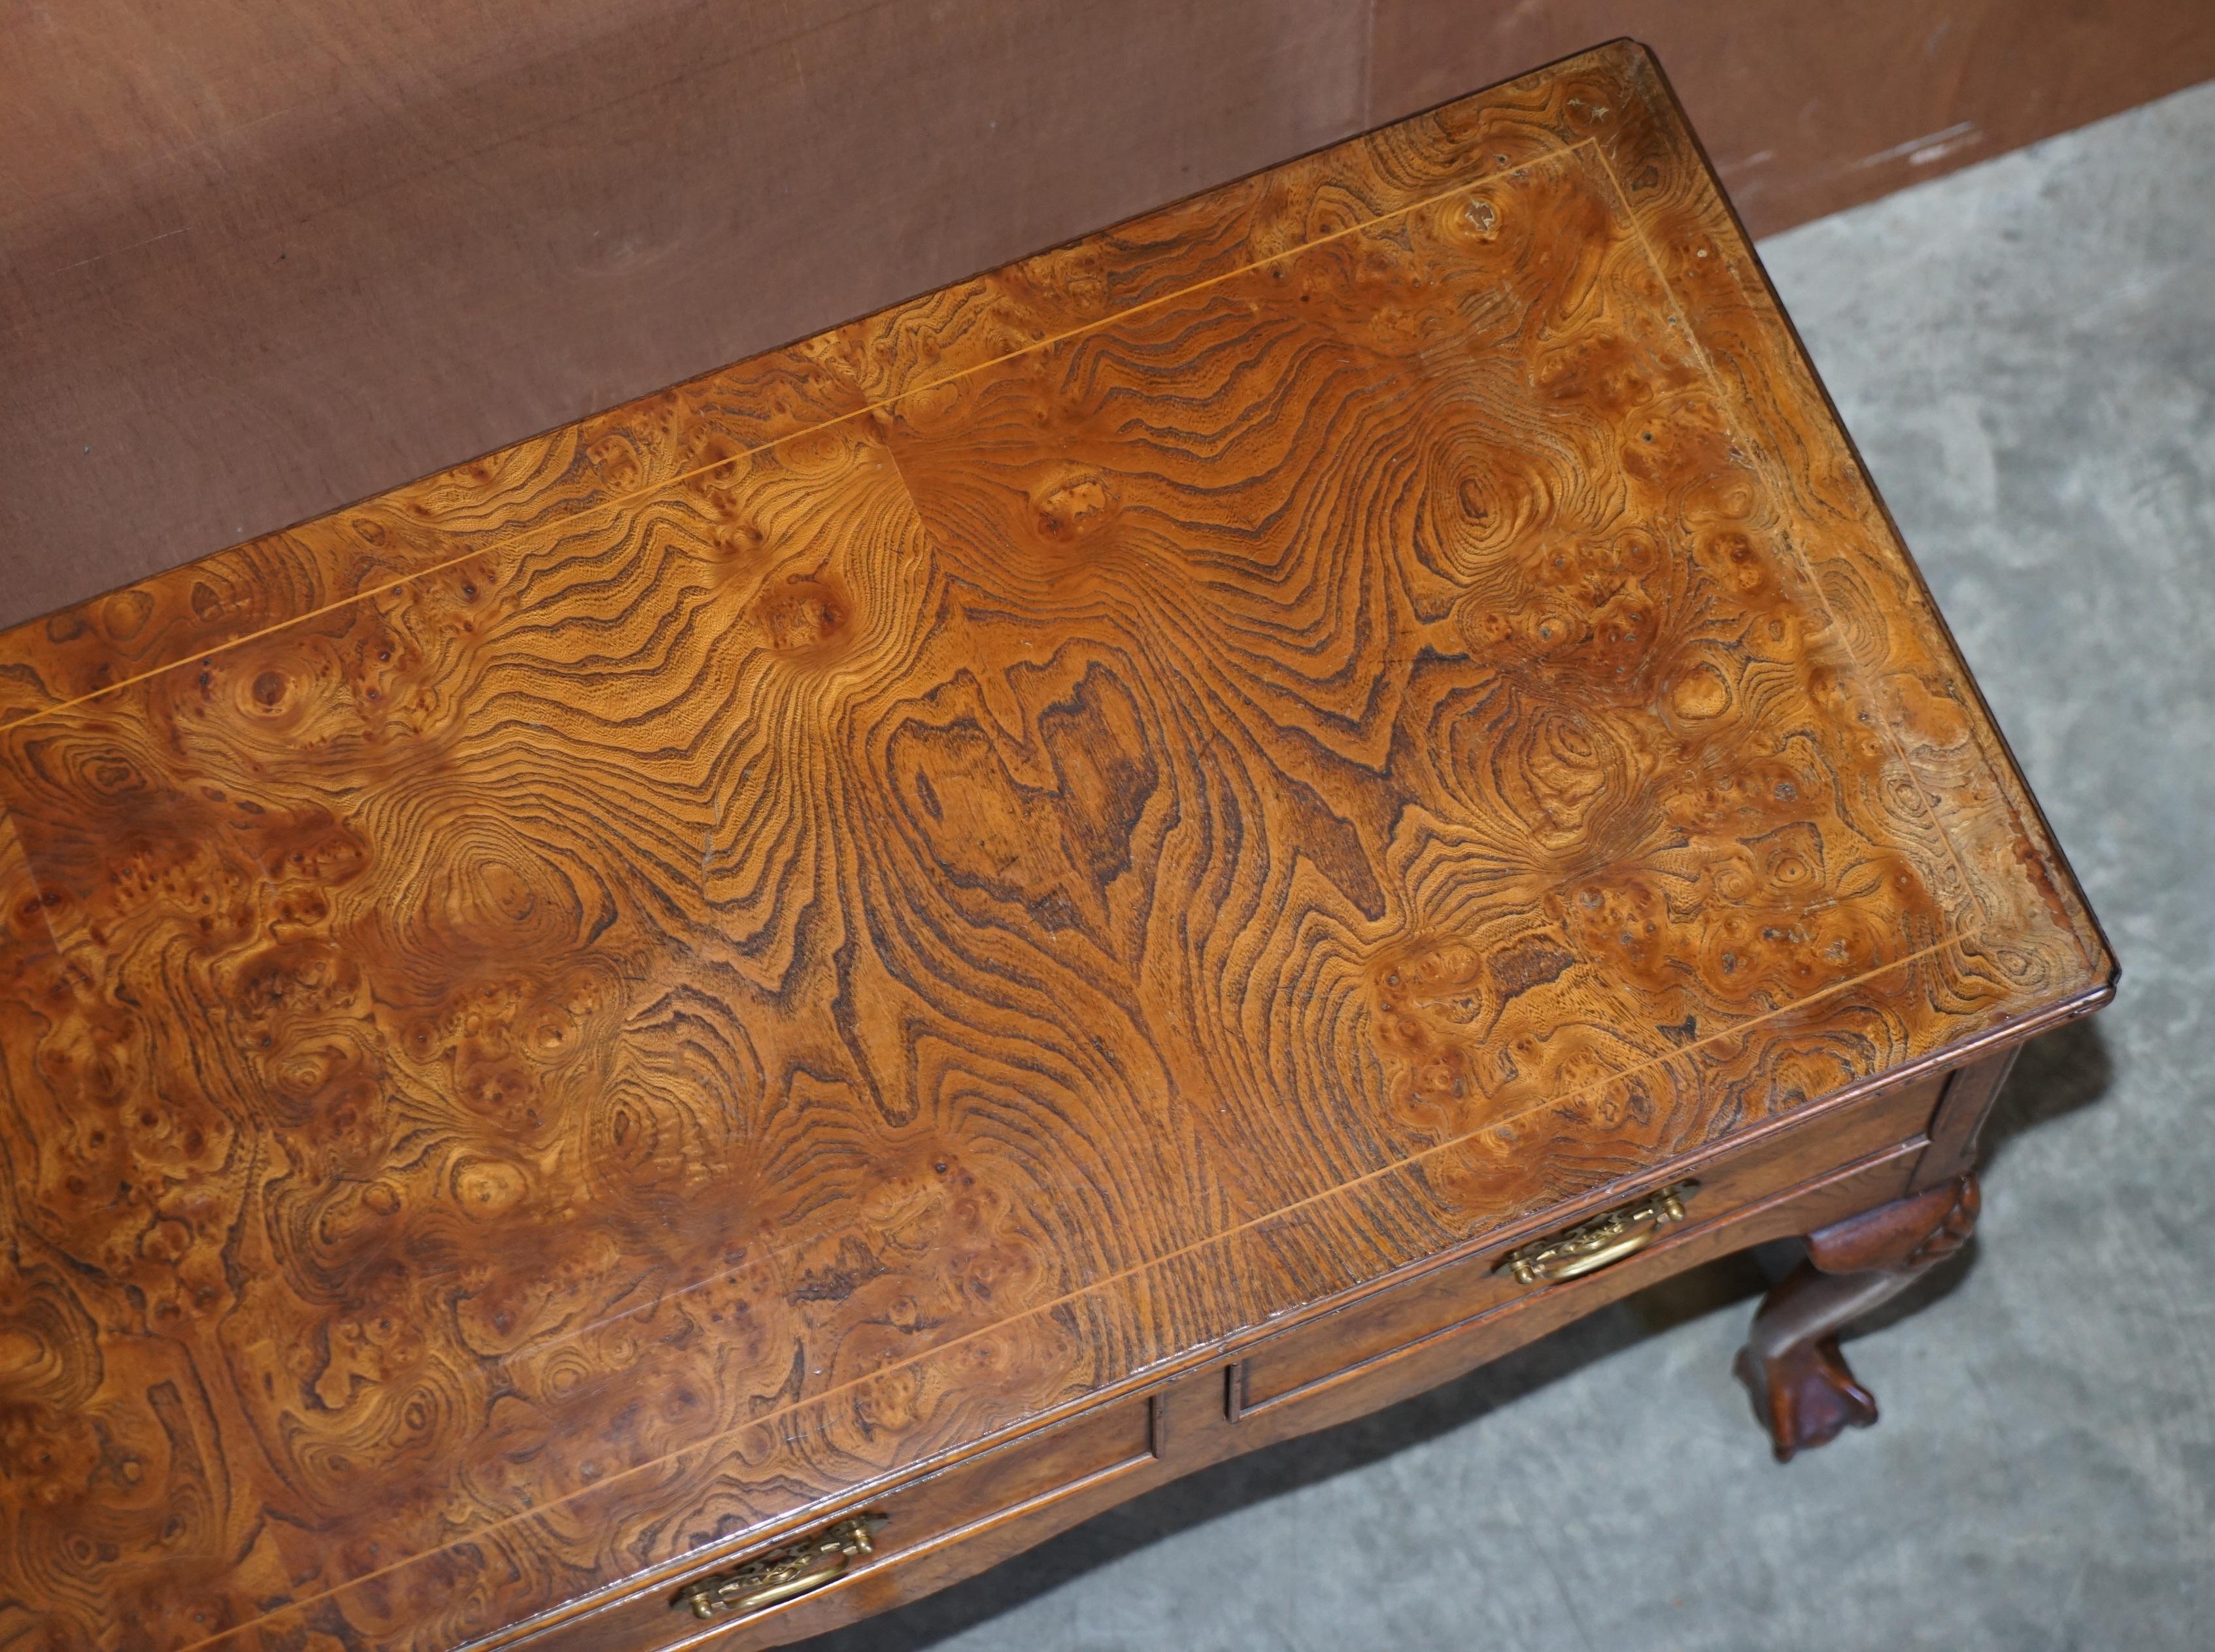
1591, 1245
781, 1573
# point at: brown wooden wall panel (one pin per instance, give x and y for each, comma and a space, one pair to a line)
1809, 108
255, 261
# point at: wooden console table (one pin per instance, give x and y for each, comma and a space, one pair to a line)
697, 1028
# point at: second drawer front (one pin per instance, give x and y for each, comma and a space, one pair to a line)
1285, 1367
1005, 1483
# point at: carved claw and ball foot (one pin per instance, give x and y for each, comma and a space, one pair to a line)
1802, 1391
1806, 1395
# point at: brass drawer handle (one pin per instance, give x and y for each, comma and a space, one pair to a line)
781, 1573
1594, 1245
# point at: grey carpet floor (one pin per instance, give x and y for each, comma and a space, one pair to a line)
2025, 352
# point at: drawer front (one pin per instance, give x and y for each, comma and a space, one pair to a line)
1413, 1368
1286, 1367
1013, 1484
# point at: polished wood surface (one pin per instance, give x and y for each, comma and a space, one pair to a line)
644, 990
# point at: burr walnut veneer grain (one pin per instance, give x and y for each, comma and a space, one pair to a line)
962, 916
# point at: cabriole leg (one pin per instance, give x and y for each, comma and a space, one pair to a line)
1802, 1390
